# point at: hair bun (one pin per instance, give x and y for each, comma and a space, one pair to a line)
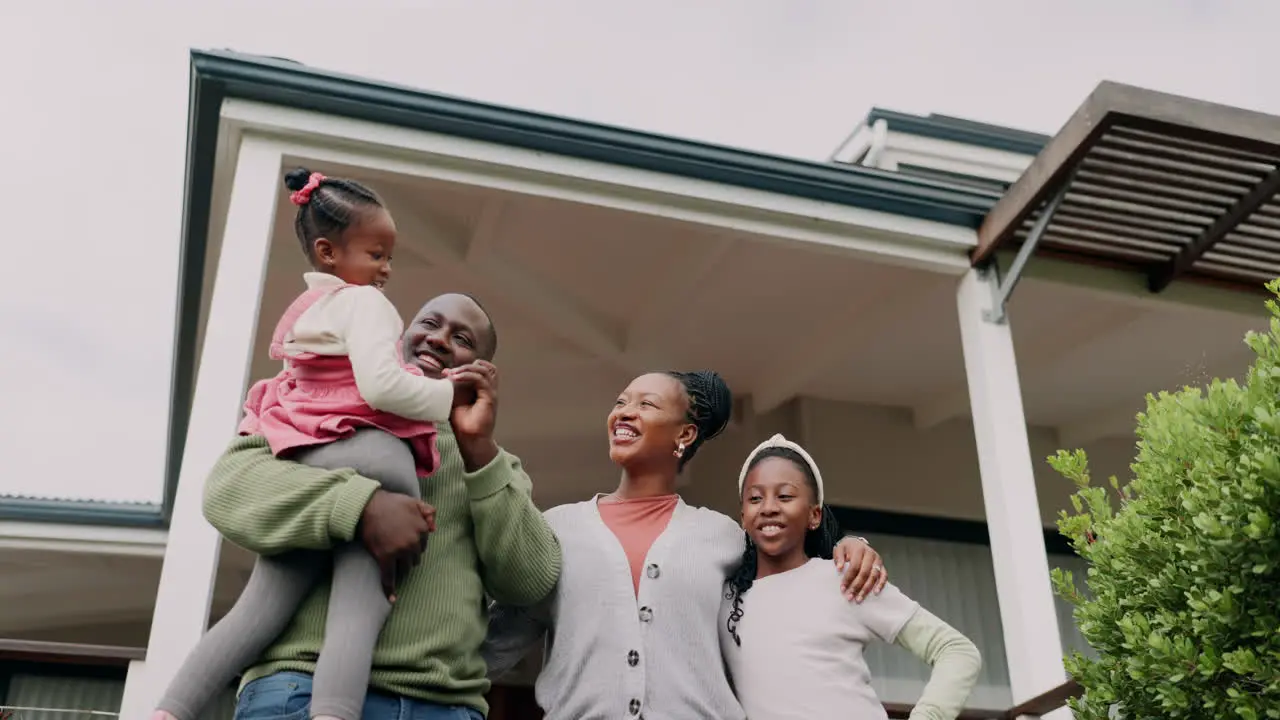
719, 401
297, 179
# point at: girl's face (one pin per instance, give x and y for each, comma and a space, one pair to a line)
364, 255
778, 507
648, 423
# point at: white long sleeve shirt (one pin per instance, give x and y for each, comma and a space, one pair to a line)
802, 644
361, 324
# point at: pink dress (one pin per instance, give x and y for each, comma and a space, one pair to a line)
314, 399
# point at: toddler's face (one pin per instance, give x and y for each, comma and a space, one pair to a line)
364, 256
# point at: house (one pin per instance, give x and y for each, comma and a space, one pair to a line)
853, 304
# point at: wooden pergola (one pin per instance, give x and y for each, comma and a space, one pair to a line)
1172, 187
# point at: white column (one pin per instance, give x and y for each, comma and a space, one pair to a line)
1032, 644
191, 556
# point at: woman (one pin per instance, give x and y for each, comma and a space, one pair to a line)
632, 625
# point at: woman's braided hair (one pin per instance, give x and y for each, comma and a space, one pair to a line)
817, 543
334, 205
710, 406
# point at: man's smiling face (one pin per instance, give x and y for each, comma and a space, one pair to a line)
449, 331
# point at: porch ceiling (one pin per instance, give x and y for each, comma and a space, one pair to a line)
586, 297
1170, 186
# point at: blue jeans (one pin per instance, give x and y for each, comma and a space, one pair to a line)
287, 696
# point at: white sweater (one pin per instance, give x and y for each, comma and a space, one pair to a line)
361, 324
612, 653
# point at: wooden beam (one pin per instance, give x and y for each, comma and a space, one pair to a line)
1112, 104
1266, 189
1050, 168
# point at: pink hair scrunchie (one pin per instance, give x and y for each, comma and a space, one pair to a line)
303, 196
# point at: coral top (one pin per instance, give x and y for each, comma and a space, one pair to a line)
637, 523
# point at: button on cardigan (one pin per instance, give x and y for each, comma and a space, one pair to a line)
613, 652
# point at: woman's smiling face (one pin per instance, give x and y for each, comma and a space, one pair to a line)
648, 422
778, 507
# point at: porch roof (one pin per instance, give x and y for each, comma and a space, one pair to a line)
218, 75
1169, 186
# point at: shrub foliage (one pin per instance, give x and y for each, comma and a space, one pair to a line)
1182, 604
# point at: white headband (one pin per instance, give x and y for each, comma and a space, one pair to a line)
777, 441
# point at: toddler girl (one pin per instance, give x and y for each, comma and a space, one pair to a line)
793, 645
339, 342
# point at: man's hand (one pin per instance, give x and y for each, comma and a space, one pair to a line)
862, 569
475, 413
394, 529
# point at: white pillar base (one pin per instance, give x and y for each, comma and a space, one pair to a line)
1027, 616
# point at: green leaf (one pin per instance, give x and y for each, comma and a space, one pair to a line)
1181, 601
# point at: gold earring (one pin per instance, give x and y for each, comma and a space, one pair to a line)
679, 450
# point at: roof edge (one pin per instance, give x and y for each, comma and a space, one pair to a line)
959, 130
290, 84
83, 512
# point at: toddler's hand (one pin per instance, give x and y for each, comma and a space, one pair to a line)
464, 391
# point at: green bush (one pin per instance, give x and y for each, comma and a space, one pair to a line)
1183, 592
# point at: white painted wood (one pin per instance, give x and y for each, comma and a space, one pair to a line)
954, 157
133, 703
191, 558
876, 156
78, 538
854, 147
1027, 614
886, 237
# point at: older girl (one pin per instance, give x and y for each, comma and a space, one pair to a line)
793, 647
631, 627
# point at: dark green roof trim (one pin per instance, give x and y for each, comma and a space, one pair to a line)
218, 75
289, 84
959, 130
82, 512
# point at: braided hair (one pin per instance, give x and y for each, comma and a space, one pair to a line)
710, 406
820, 542
332, 206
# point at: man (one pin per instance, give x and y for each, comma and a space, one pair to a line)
486, 538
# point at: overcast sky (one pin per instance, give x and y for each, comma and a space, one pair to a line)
94, 113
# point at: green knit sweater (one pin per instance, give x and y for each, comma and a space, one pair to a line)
490, 539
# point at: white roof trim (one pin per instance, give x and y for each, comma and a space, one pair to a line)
872, 235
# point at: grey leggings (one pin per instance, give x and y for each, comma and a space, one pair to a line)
278, 585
